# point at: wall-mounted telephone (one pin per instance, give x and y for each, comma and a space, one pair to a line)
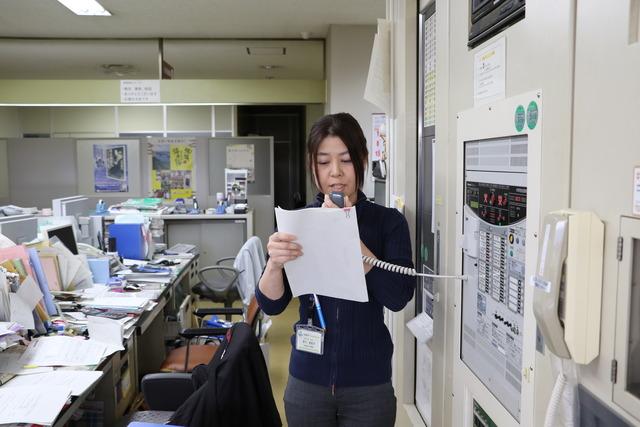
568, 284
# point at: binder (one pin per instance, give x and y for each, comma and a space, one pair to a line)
130, 242
41, 278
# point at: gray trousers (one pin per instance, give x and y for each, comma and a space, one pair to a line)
310, 405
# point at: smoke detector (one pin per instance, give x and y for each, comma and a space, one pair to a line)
119, 70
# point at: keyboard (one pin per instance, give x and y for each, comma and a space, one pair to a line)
181, 248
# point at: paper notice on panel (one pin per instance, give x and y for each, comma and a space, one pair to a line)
331, 263
489, 73
421, 327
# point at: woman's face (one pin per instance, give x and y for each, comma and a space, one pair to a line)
335, 169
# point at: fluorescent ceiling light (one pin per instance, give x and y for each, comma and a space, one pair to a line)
85, 7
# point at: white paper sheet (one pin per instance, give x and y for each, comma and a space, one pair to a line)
78, 381
489, 73
63, 351
30, 292
20, 312
377, 88
332, 260
421, 327
130, 302
38, 405
106, 331
10, 364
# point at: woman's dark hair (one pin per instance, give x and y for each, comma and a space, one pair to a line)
345, 127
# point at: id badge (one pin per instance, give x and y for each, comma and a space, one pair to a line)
310, 339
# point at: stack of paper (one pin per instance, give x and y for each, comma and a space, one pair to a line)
77, 381
9, 334
63, 351
74, 269
10, 363
37, 405
127, 303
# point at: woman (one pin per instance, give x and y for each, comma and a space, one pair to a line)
349, 384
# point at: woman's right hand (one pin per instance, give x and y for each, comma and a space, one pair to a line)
282, 248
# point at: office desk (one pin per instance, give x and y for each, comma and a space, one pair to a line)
144, 352
216, 236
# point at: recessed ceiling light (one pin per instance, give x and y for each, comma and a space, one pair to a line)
85, 7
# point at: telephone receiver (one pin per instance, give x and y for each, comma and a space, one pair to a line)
567, 284
337, 198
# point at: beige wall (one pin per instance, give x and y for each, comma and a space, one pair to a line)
348, 53
606, 148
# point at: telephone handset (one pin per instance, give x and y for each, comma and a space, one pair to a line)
547, 304
568, 284
337, 198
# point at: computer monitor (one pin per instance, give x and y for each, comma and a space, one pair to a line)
15, 217
76, 207
56, 204
66, 236
21, 230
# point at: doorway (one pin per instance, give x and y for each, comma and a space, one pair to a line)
286, 124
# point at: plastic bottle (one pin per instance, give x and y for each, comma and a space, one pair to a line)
195, 204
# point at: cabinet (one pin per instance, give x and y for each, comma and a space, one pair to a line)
626, 390
214, 239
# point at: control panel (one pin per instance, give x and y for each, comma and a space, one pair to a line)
494, 231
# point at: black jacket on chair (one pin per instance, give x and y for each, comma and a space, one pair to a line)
234, 389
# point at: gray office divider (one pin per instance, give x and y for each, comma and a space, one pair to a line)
41, 169
260, 193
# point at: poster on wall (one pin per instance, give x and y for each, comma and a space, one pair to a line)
110, 168
378, 137
172, 168
242, 156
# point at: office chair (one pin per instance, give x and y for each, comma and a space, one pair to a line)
233, 389
226, 284
185, 358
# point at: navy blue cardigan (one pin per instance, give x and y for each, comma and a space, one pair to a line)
357, 344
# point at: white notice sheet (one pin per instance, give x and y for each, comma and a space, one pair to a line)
331, 263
